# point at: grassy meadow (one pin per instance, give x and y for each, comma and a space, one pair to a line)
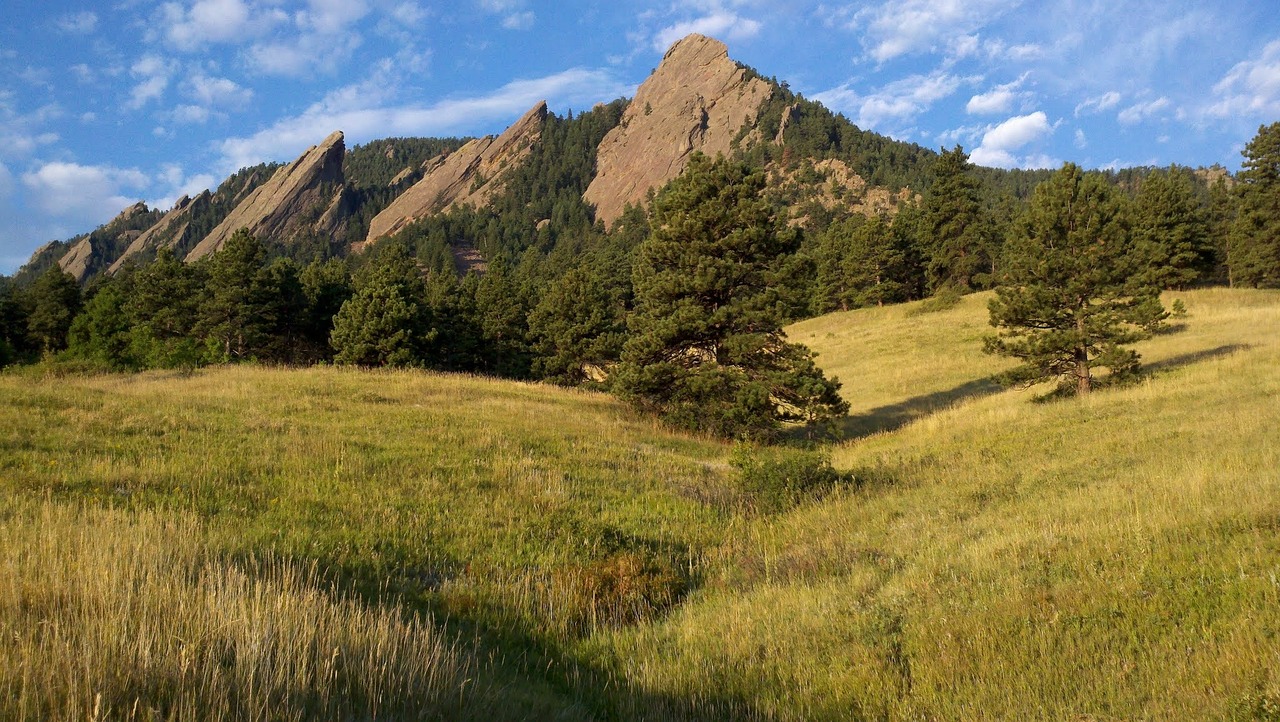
258, 543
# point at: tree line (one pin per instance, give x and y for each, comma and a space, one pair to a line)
679, 309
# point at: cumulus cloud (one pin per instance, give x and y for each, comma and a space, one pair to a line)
900, 100
1000, 143
81, 23
363, 113
1141, 111
1251, 88
999, 99
1098, 104
86, 193
220, 93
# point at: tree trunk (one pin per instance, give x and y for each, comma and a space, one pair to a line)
1084, 382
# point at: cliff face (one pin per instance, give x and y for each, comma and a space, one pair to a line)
94, 251
470, 175
306, 197
697, 100
166, 233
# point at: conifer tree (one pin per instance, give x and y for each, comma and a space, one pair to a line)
234, 314
103, 330
707, 351
953, 225
54, 300
163, 308
1170, 230
1072, 293
1254, 245
575, 326
386, 322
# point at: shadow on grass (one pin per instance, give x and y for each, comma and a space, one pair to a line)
896, 416
1187, 359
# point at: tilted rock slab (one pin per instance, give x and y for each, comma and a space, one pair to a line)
167, 231
79, 261
307, 196
470, 175
697, 100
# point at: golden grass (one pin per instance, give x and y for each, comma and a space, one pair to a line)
129, 616
1113, 557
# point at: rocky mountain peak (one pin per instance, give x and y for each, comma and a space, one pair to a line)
697, 100
306, 197
470, 175
85, 256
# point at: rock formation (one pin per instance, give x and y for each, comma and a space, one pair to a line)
470, 175
166, 233
306, 197
697, 100
90, 252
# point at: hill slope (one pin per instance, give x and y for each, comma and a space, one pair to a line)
1113, 557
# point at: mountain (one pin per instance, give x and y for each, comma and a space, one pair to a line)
544, 182
697, 100
305, 197
470, 175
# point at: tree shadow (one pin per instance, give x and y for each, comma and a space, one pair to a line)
1187, 359
896, 416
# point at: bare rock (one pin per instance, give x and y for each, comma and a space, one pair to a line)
166, 233
470, 175
697, 100
306, 197
85, 257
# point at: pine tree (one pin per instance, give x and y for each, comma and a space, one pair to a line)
1254, 247
386, 321
1171, 231
54, 301
163, 308
1071, 291
707, 351
234, 312
102, 332
575, 327
958, 253
326, 285
861, 263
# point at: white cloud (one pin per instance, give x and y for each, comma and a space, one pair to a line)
1098, 104
81, 23
212, 21
519, 21
719, 23
1251, 88
1000, 142
1082, 141
91, 193
362, 113
914, 26
996, 101
1141, 111
303, 55
901, 99
177, 183
153, 73
217, 92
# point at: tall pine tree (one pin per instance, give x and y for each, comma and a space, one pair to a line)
707, 351
1072, 292
1254, 247
959, 254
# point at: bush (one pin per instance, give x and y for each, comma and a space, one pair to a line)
775, 480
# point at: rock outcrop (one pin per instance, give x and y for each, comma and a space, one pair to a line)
697, 100
166, 233
305, 198
91, 252
470, 175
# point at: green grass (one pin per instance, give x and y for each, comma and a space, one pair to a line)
1114, 557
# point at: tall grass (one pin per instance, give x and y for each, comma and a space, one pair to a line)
1113, 557
107, 614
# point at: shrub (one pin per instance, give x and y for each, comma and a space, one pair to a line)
775, 480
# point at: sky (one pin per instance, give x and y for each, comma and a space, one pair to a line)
103, 104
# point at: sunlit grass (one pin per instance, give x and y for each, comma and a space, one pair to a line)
1113, 557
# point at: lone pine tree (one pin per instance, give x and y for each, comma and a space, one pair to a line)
707, 351
1071, 292
1253, 251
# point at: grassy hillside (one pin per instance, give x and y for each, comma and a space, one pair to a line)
1114, 557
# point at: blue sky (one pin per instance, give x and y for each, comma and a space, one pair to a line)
104, 104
